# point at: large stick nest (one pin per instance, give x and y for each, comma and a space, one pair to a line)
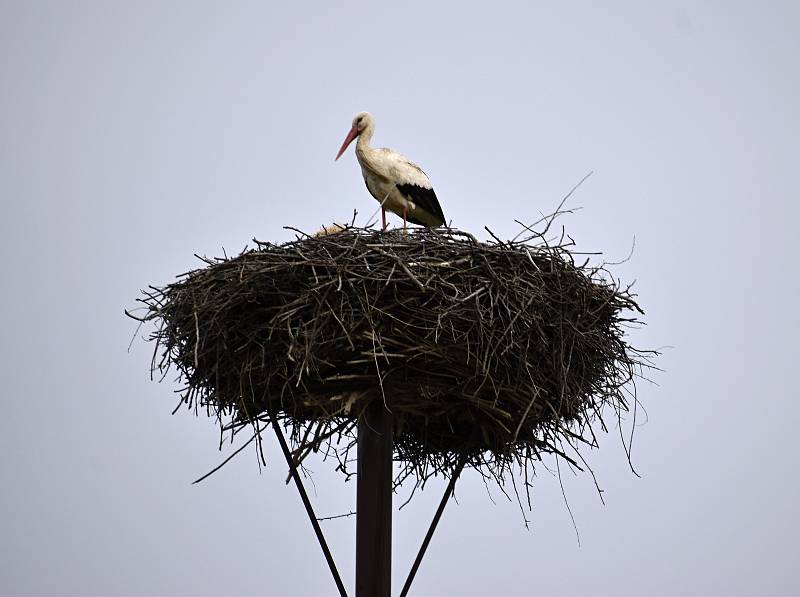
497, 352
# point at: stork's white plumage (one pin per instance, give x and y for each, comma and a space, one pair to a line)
396, 182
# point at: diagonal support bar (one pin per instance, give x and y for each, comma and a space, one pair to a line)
423, 548
309, 509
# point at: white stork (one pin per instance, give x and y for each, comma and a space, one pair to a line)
396, 182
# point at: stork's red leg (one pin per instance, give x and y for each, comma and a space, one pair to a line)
405, 215
383, 214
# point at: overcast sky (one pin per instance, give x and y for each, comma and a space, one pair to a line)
134, 134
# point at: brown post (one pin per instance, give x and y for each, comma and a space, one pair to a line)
374, 502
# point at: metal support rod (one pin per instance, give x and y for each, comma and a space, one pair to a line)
447, 493
309, 509
374, 502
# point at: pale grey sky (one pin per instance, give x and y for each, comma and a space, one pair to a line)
135, 134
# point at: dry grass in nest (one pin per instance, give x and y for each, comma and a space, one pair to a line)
499, 352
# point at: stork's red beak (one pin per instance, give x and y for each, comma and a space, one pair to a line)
347, 141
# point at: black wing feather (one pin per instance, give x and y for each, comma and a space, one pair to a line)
424, 199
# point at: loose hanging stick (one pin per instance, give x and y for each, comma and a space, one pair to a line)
447, 493
307, 503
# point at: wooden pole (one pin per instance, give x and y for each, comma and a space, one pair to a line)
374, 503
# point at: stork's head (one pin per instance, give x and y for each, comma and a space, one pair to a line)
361, 122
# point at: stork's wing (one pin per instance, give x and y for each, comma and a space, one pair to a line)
414, 184
424, 198
400, 168
413, 166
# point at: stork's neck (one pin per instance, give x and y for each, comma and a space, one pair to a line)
362, 145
